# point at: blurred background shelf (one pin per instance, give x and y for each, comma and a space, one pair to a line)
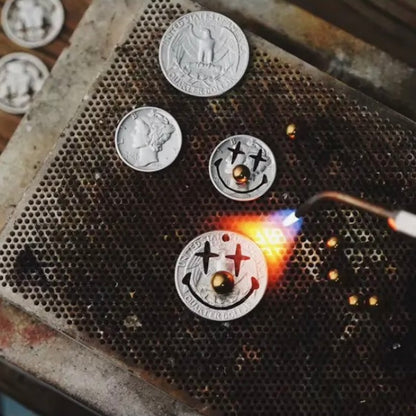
390, 25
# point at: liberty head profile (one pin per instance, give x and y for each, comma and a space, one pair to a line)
150, 133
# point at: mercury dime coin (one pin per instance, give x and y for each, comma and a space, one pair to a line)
148, 139
21, 76
221, 275
203, 54
32, 23
242, 167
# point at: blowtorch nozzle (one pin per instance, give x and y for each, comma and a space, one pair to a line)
402, 221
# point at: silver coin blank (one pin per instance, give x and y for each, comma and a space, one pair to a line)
21, 76
247, 151
31, 23
148, 139
204, 54
221, 251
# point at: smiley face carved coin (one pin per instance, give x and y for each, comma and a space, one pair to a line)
148, 139
221, 275
21, 76
32, 23
242, 167
203, 54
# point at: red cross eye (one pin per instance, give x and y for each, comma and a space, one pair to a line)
238, 257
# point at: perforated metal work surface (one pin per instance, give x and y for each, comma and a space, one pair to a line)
92, 247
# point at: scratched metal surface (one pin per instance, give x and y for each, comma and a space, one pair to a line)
92, 246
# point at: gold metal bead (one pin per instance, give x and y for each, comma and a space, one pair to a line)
332, 242
241, 174
291, 131
373, 300
333, 275
222, 282
353, 300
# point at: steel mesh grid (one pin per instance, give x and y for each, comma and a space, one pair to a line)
93, 245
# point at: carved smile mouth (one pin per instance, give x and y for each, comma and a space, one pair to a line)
254, 286
217, 164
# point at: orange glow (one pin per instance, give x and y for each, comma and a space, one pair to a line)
270, 239
275, 240
392, 224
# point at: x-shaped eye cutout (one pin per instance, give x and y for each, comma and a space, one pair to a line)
257, 159
236, 151
206, 255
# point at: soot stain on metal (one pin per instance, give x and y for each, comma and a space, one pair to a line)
84, 241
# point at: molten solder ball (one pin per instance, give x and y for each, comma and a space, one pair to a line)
332, 242
291, 131
222, 282
333, 275
241, 174
354, 300
373, 301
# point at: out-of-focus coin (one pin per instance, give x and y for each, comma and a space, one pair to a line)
203, 54
221, 275
32, 23
21, 76
148, 139
242, 167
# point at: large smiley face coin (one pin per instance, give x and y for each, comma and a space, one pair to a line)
242, 167
221, 275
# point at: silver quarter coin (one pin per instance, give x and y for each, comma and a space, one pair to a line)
32, 23
21, 76
148, 139
221, 275
203, 54
242, 167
